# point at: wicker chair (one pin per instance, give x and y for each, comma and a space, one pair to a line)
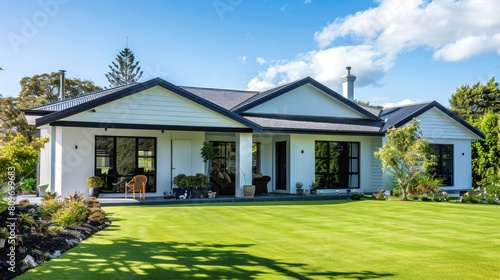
137, 184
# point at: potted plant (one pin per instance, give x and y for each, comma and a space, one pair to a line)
180, 181
4, 234
201, 185
208, 153
314, 185
298, 188
248, 190
94, 183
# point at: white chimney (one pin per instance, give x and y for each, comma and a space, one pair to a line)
62, 84
348, 84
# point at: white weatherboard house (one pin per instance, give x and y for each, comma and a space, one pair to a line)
302, 131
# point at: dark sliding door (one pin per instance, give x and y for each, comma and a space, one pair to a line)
281, 178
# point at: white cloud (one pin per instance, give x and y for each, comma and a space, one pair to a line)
453, 30
326, 66
307, 2
243, 59
399, 103
282, 8
260, 60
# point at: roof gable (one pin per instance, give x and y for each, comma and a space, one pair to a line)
86, 105
155, 106
436, 121
304, 97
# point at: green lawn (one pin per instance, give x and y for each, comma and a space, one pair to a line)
300, 240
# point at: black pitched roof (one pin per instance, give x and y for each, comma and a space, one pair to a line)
226, 98
314, 124
234, 103
397, 116
66, 108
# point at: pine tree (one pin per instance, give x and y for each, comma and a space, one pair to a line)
124, 71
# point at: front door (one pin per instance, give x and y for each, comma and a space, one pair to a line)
281, 173
181, 157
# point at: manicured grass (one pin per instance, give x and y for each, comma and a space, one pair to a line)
299, 240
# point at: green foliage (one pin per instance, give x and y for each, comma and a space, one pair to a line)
4, 203
26, 221
190, 181
28, 184
405, 155
485, 153
22, 156
298, 185
55, 229
472, 102
208, 151
4, 233
95, 182
490, 194
72, 212
35, 91
425, 184
440, 197
201, 180
314, 185
356, 195
50, 204
397, 192
124, 71
180, 181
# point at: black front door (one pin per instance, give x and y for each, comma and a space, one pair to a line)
281, 166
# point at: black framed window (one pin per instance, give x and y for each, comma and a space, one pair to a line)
226, 157
119, 158
444, 167
337, 164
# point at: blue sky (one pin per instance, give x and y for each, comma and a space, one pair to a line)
401, 51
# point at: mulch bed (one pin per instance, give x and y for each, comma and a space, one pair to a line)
39, 243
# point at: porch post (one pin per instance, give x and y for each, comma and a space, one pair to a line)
243, 162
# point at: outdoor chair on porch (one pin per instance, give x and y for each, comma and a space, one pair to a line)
137, 184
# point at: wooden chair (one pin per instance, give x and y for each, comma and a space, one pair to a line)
137, 184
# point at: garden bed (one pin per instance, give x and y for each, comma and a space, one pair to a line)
38, 239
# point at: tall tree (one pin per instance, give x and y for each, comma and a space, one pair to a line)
485, 153
125, 70
406, 155
35, 91
472, 102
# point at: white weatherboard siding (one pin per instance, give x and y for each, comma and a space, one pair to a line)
307, 100
156, 106
45, 166
74, 159
436, 124
376, 167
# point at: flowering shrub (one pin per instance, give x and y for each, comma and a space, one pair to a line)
356, 195
490, 194
440, 197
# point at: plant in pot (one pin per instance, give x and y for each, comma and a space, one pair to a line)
4, 234
208, 153
314, 185
201, 184
298, 188
94, 183
180, 181
248, 189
